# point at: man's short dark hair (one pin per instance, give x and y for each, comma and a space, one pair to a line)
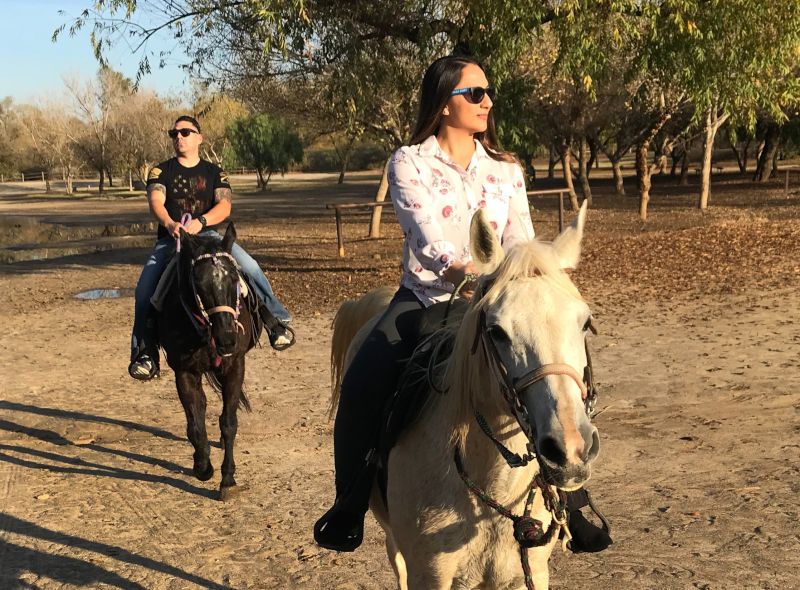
188, 119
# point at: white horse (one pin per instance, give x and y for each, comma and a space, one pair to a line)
453, 519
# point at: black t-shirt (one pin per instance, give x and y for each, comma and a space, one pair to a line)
189, 190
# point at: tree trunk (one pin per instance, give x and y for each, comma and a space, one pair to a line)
684, 181
713, 122
583, 171
100, 185
643, 175
551, 164
110, 178
744, 154
771, 140
742, 163
566, 166
262, 184
383, 189
774, 171
130, 180
345, 160
675, 155
593, 151
619, 180
70, 189
47, 187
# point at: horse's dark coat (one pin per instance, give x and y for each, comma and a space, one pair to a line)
192, 352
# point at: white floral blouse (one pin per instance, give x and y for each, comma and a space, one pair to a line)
435, 198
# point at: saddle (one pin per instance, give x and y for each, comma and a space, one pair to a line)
421, 330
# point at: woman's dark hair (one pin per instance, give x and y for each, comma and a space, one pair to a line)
439, 81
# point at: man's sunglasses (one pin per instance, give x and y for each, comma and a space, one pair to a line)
475, 94
173, 133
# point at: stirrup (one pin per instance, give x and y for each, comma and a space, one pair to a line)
339, 530
586, 536
144, 368
282, 340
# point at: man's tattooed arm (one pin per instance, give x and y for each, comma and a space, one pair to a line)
222, 194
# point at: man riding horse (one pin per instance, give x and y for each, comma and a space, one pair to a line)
191, 194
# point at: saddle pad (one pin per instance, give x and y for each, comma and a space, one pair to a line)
164, 283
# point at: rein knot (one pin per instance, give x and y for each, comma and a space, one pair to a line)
529, 532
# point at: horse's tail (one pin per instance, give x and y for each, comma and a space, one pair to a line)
213, 380
349, 319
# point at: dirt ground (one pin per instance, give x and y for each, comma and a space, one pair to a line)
697, 363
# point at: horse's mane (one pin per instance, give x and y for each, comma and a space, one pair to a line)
457, 368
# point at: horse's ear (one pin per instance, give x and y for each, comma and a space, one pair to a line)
487, 253
230, 237
568, 243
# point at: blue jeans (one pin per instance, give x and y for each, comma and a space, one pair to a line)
154, 267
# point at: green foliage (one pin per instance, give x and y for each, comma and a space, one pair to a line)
265, 143
364, 157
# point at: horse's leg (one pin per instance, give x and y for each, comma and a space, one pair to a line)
228, 424
190, 391
398, 563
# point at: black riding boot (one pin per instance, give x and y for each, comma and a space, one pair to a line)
586, 536
342, 527
280, 335
366, 388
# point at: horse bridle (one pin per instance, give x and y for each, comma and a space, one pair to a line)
206, 314
511, 388
202, 321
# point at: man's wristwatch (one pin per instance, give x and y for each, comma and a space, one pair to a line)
202, 221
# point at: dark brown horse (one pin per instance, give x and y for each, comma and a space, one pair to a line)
206, 327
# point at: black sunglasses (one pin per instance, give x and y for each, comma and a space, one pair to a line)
475, 94
173, 133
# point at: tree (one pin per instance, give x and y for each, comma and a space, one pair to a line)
730, 68
266, 144
216, 112
50, 130
9, 137
97, 103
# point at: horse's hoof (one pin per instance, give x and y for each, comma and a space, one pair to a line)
204, 475
228, 493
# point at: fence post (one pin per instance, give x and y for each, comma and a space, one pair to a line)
560, 211
22, 174
786, 186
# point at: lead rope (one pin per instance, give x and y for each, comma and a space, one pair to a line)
528, 532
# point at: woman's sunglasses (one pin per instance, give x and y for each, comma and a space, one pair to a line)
173, 133
475, 94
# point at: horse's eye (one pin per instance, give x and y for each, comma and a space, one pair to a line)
498, 334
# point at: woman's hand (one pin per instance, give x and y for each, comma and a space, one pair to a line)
456, 274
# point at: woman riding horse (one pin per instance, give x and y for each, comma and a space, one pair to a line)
452, 168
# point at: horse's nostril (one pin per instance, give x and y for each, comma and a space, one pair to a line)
552, 452
592, 447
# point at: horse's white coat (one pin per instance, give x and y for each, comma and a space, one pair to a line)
438, 534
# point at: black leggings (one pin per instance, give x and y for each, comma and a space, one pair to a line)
368, 384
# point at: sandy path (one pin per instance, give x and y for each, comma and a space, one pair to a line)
698, 473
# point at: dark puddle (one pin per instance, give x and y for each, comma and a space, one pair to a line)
104, 294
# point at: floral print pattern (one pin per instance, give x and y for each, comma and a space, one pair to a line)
435, 198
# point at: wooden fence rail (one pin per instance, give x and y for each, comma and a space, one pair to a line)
338, 208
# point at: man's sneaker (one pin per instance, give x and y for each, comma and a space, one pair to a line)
143, 368
281, 336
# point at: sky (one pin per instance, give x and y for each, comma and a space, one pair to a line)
32, 67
